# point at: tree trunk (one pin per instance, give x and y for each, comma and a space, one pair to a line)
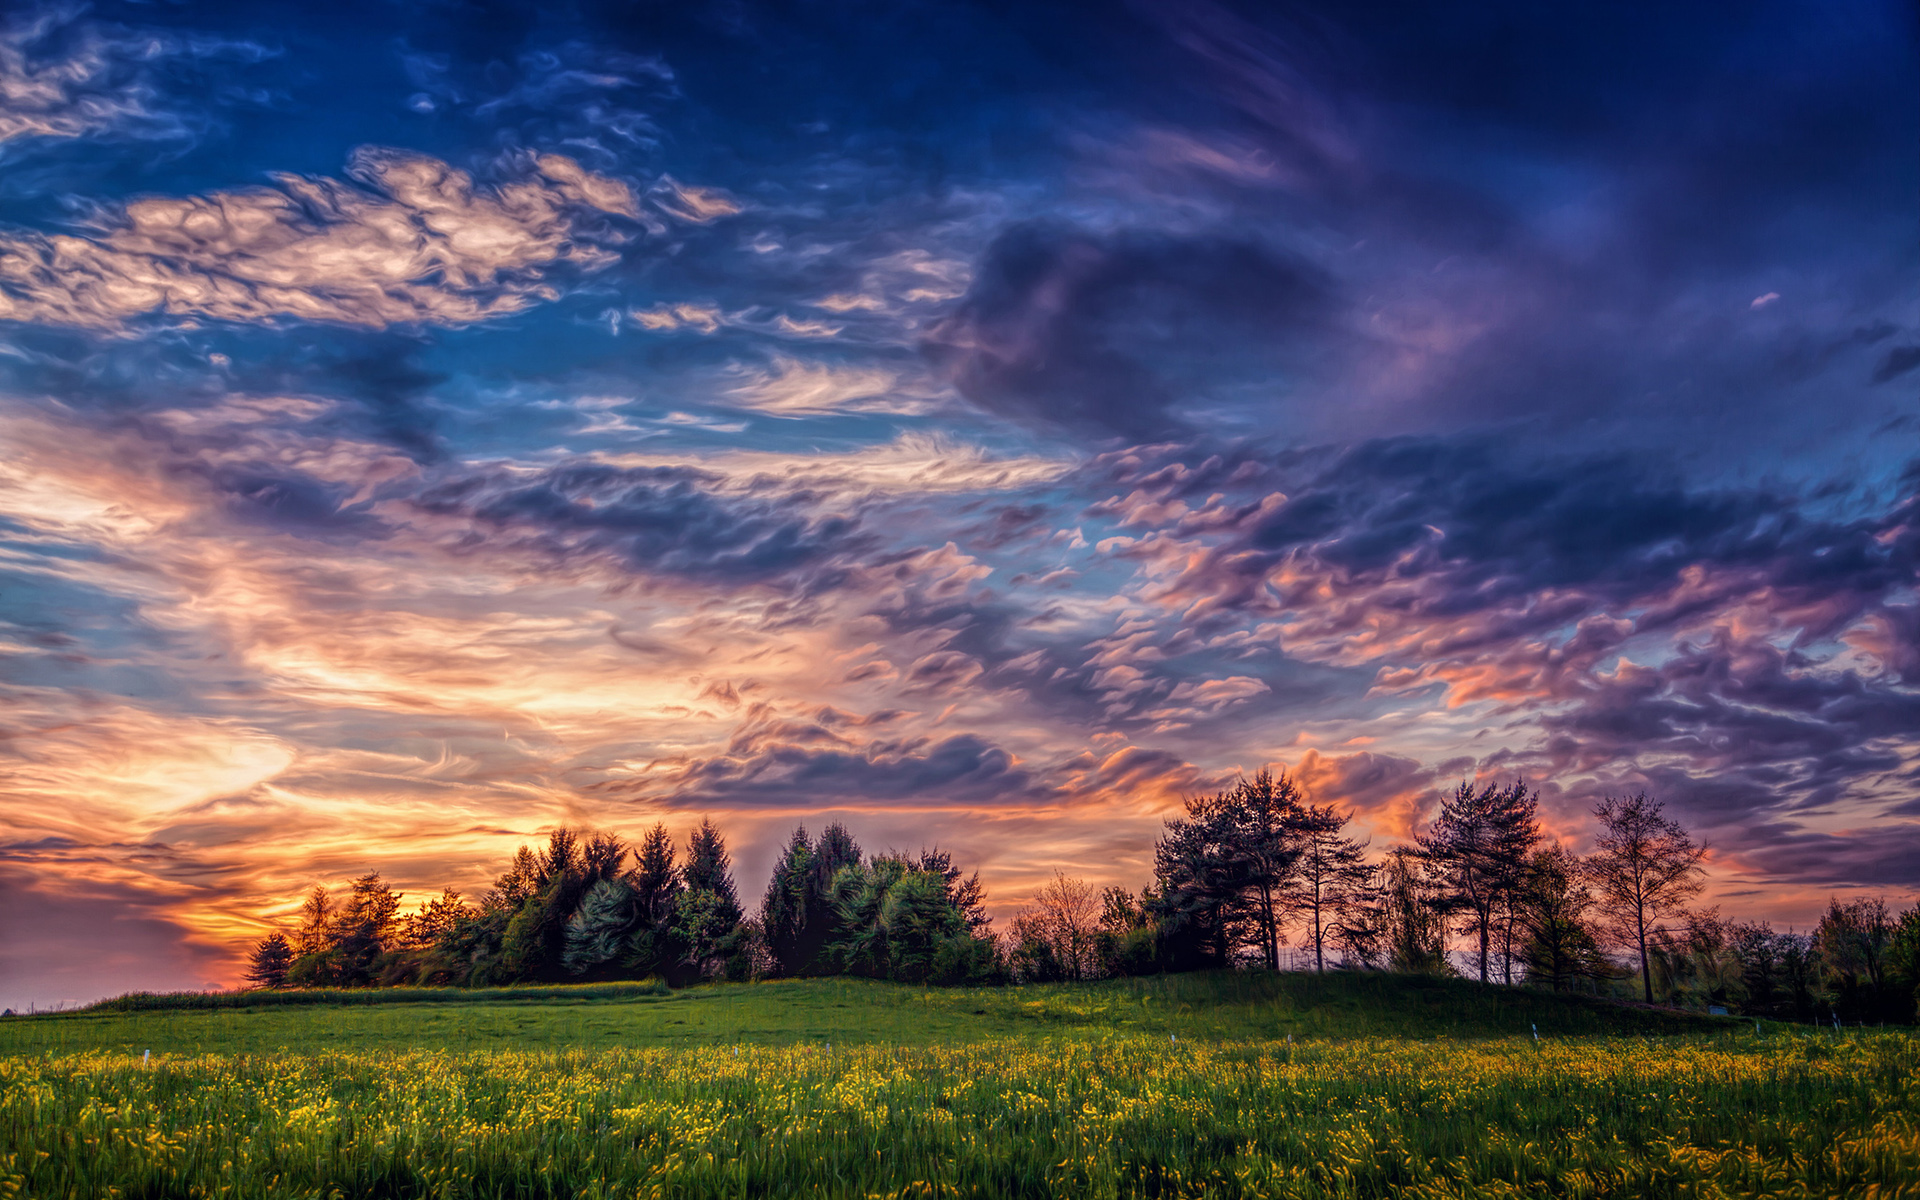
1646, 975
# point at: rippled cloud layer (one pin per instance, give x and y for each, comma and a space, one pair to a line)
421, 430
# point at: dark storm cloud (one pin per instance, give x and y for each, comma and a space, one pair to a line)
770, 760
1104, 334
672, 521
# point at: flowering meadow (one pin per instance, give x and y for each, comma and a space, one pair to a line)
1064, 1112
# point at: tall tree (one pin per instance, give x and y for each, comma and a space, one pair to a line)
783, 910
1266, 815
316, 923
1223, 871
1476, 851
655, 878
1411, 928
1645, 867
364, 929
709, 869
1330, 876
1067, 913
709, 909
1852, 943
656, 884
1198, 903
267, 966
534, 944
1557, 944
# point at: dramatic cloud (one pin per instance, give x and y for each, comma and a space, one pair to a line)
415, 242
985, 427
1100, 335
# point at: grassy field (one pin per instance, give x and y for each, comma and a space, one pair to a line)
1186, 1086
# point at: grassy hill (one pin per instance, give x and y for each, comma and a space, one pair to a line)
1219, 1006
1181, 1086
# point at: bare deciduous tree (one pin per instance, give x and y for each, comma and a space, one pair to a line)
1645, 867
1068, 918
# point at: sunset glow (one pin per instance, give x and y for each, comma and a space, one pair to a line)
985, 426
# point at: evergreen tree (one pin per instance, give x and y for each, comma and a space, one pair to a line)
435, 921
1223, 872
709, 869
267, 966
783, 911
533, 946
1558, 945
707, 922
364, 929
316, 923
599, 931
656, 884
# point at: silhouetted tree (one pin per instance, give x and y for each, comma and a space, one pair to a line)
267, 966
1330, 876
1412, 929
1065, 916
435, 921
1223, 870
1852, 943
1645, 868
316, 923
1558, 944
1476, 853
1903, 968
1775, 971
1127, 939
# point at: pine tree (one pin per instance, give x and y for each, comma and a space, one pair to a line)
783, 911
708, 916
598, 932
710, 870
267, 966
316, 923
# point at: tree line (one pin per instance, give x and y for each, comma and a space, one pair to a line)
1254, 875
591, 908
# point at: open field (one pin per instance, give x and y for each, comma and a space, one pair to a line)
1175, 1087
1234, 1006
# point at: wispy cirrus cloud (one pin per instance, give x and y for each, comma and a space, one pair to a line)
63, 77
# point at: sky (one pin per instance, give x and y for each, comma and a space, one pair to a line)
423, 425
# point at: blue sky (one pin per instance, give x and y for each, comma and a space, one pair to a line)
427, 424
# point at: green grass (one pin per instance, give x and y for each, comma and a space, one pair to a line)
1225, 1006
1177, 1086
172, 1001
